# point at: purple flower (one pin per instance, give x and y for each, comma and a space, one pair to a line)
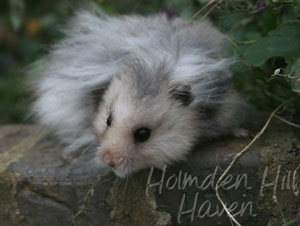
275, 5
260, 4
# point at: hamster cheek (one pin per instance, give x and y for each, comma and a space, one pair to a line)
151, 159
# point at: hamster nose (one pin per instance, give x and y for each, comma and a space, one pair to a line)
107, 157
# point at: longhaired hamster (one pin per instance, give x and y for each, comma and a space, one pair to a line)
138, 90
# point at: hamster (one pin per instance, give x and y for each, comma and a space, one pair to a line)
138, 91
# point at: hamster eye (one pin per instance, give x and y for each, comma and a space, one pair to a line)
142, 134
108, 120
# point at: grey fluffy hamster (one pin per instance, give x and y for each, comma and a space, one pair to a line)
139, 91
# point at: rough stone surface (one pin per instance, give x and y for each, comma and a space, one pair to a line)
9, 214
37, 187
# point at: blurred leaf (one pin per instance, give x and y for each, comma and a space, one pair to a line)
269, 19
33, 26
49, 19
17, 10
282, 42
203, 2
295, 73
228, 20
290, 13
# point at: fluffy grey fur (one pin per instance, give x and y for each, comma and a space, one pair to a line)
146, 71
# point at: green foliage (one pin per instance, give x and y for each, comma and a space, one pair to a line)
281, 42
26, 28
264, 36
14, 99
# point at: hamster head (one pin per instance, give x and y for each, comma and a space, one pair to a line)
144, 120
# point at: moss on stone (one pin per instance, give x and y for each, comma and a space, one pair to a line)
275, 156
131, 207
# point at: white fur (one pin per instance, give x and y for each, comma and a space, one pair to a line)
95, 50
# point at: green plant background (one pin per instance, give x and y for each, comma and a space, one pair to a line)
263, 35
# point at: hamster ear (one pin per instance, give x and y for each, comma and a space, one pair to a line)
182, 93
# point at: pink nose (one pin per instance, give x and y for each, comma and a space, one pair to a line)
107, 157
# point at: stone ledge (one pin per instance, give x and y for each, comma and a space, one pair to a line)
38, 188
